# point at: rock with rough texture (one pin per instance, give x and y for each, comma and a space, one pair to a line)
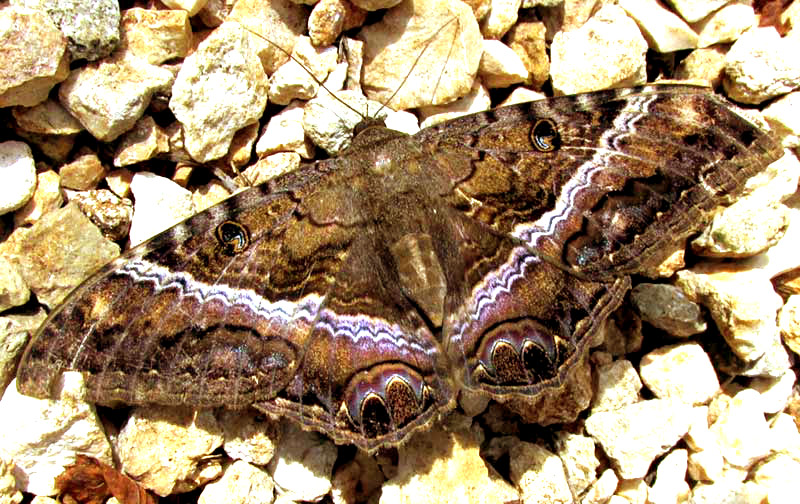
142, 142
91, 26
46, 198
34, 56
707, 64
446, 467
664, 31
725, 25
209, 195
110, 95
60, 251
241, 483
746, 228
784, 120
477, 100
107, 211
329, 124
249, 436
775, 391
500, 66
8, 484
539, 475
269, 167
292, 79
454, 55
682, 372
357, 480
284, 133
42, 436
156, 35
784, 434
13, 289
302, 465
46, 118
603, 489
18, 173
329, 18
15, 330
742, 303
608, 51
666, 307
741, 430
789, 322
705, 458
670, 484
501, 17
633, 436
695, 10
528, 40
618, 385
159, 204
192, 7
777, 477
761, 65
82, 173
119, 181
224, 64
166, 449
577, 453
279, 21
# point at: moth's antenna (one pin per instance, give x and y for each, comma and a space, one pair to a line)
319, 82
419, 57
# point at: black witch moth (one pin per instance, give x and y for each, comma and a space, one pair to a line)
358, 295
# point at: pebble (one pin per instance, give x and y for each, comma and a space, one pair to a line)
18, 172
608, 51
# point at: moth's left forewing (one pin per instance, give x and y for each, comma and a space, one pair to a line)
191, 317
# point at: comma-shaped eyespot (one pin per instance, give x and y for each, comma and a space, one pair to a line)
386, 398
233, 237
544, 136
519, 353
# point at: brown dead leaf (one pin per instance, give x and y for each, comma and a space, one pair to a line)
89, 481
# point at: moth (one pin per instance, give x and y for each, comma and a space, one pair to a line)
358, 295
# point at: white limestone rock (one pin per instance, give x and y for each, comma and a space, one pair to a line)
665, 32
445, 467
577, 453
284, 133
18, 173
725, 25
618, 385
110, 95
224, 64
608, 51
302, 465
451, 53
741, 430
633, 436
682, 372
539, 475
761, 65
241, 483
42, 436
166, 448
159, 203
500, 66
